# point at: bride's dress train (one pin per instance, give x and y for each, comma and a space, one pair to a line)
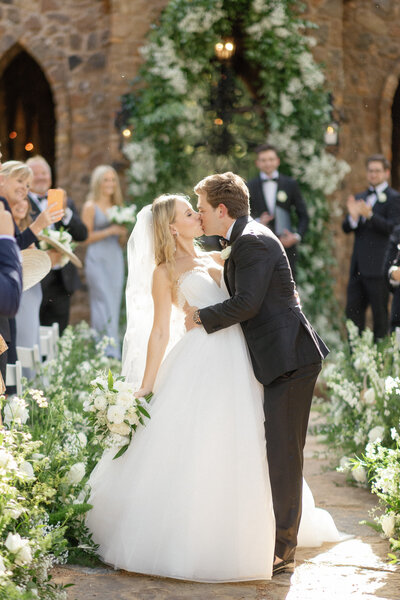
191, 497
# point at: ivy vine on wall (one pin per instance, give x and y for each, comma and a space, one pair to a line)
192, 114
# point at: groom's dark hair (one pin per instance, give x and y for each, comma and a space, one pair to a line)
228, 189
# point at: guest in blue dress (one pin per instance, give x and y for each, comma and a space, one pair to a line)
104, 263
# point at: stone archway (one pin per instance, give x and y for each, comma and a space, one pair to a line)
389, 126
27, 105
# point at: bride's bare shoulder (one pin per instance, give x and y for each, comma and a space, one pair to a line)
160, 275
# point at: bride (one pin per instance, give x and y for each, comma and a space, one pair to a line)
190, 498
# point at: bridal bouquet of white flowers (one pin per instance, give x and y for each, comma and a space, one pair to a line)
114, 411
122, 215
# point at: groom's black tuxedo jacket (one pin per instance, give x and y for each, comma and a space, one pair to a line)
259, 280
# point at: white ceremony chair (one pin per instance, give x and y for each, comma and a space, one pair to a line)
29, 357
14, 376
49, 345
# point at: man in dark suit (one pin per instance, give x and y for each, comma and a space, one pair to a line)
286, 352
273, 200
10, 282
391, 272
372, 214
59, 285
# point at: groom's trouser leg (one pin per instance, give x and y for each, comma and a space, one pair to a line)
287, 403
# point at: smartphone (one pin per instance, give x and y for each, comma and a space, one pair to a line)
55, 199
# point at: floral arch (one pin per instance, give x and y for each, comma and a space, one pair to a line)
191, 114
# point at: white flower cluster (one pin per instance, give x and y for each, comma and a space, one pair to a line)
16, 411
324, 172
165, 63
116, 412
143, 169
62, 237
19, 547
122, 215
311, 74
276, 20
199, 20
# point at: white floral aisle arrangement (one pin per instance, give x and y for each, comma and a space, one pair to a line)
47, 451
114, 412
363, 420
122, 215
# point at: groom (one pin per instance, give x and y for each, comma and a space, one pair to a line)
285, 350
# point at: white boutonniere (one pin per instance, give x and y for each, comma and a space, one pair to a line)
225, 253
281, 196
382, 197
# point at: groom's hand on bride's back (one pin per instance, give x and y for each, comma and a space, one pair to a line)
190, 317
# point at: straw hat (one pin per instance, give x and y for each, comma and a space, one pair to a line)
60, 248
35, 265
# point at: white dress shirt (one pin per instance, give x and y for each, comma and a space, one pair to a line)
270, 189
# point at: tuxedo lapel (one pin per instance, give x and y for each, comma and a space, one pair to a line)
36, 208
237, 230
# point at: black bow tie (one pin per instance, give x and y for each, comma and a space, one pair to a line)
372, 190
269, 179
224, 242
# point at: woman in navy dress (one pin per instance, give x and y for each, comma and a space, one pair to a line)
104, 263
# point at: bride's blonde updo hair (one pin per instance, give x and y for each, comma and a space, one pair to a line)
164, 214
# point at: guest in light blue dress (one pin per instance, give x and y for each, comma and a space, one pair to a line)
104, 263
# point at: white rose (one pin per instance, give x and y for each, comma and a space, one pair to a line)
120, 428
376, 433
388, 523
116, 414
24, 555
2, 565
100, 403
123, 386
27, 468
132, 417
7, 460
82, 439
369, 396
76, 473
15, 410
13, 542
359, 474
125, 399
382, 197
281, 196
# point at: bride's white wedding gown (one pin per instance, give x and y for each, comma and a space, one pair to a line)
191, 497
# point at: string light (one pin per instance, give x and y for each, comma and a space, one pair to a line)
13, 135
29, 147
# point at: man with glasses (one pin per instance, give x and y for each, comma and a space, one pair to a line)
372, 214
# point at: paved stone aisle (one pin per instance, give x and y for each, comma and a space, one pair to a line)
355, 568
